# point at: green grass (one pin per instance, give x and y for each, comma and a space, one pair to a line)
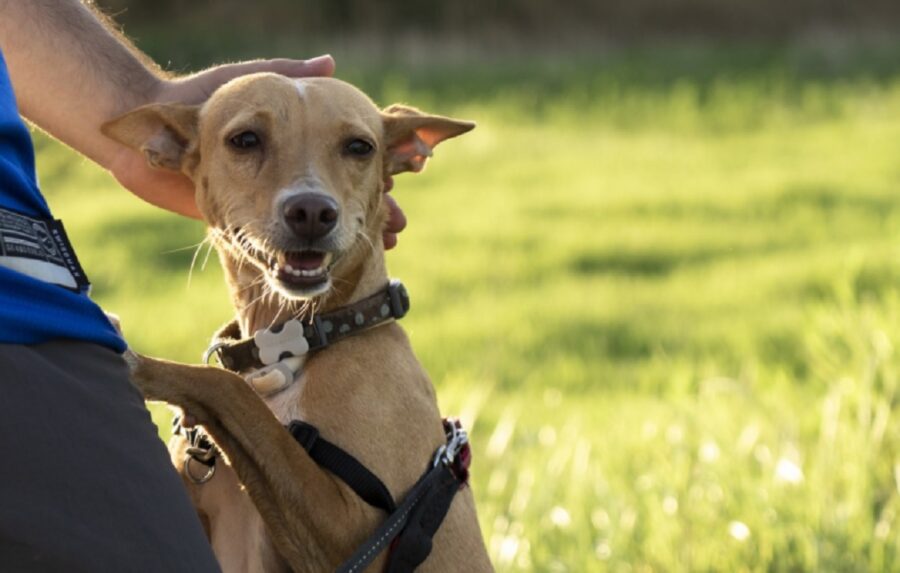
659, 286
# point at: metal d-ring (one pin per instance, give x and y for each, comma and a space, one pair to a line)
213, 349
194, 479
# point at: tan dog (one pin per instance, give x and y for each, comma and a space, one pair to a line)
289, 177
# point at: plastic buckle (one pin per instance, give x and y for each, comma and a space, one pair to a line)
399, 299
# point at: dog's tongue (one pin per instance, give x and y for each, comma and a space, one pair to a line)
305, 260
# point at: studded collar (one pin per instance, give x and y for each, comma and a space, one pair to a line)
292, 338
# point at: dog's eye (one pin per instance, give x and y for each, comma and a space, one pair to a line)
245, 140
359, 148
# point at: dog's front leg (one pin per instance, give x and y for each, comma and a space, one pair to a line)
308, 516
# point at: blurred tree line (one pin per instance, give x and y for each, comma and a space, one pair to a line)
529, 20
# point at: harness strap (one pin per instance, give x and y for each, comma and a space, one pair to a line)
410, 528
343, 465
391, 528
451, 470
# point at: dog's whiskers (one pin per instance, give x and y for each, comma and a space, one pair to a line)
337, 289
194, 258
187, 248
254, 283
265, 292
281, 308
206, 258
238, 245
367, 240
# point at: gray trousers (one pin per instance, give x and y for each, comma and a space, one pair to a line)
85, 483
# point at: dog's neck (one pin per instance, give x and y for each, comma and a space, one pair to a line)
257, 306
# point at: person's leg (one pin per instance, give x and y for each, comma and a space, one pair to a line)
85, 483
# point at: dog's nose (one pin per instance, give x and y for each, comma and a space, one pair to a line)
311, 215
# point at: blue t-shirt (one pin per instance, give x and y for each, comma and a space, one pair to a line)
33, 311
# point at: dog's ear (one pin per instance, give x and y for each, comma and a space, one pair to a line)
164, 133
410, 136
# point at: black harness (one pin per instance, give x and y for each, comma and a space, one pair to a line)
410, 527
408, 531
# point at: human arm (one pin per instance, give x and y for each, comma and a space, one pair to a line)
72, 71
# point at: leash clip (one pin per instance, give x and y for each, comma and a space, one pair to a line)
197, 451
457, 439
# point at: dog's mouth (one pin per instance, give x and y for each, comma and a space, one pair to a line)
301, 270
297, 273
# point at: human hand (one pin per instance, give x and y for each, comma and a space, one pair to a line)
174, 191
396, 221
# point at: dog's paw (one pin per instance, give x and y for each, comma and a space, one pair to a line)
116, 322
132, 359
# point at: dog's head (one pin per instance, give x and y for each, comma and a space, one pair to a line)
289, 174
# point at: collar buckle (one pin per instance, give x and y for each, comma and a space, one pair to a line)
399, 299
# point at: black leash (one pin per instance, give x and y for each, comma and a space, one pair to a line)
419, 543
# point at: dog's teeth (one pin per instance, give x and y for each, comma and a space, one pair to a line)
313, 273
326, 260
288, 268
297, 272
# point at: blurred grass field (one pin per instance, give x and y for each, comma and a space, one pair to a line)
660, 287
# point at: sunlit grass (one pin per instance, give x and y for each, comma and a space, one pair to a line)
666, 306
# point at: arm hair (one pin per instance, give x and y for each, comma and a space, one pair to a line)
72, 69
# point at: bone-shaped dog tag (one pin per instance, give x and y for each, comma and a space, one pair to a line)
273, 345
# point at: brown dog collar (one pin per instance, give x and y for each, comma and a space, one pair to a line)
297, 338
